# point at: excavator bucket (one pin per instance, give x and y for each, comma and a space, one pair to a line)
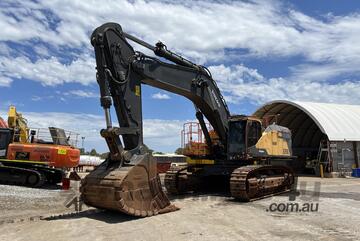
132, 189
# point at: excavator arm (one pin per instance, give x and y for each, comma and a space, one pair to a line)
120, 73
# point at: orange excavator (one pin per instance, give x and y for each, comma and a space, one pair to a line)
27, 159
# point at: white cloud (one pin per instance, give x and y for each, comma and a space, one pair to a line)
5, 81
49, 72
160, 96
265, 28
4, 49
163, 135
239, 83
202, 30
41, 51
82, 93
235, 74
36, 98
41, 98
159, 135
236, 24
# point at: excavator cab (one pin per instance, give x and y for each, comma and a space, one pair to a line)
6, 135
247, 139
244, 132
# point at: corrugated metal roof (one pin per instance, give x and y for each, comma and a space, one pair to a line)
339, 122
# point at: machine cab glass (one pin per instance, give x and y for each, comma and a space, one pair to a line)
243, 133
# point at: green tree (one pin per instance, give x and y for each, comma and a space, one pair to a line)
82, 151
93, 152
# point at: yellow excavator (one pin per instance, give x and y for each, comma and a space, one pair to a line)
239, 152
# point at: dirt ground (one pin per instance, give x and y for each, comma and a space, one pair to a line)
201, 217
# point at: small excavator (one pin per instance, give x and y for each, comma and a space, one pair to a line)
239, 150
26, 159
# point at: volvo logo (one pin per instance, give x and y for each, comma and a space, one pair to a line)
216, 99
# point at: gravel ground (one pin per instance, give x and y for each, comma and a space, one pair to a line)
201, 217
19, 204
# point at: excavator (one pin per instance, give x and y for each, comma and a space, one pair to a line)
26, 159
239, 150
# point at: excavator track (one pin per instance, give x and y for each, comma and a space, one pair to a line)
52, 175
249, 183
173, 183
15, 173
20, 176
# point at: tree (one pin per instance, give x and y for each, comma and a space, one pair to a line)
93, 152
179, 151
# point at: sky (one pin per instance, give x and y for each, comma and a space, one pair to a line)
257, 51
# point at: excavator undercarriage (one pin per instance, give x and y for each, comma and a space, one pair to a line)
28, 174
246, 183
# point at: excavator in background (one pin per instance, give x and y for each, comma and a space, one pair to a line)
239, 152
27, 159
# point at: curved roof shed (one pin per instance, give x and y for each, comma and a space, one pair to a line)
310, 122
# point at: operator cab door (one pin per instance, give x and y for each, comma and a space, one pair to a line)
6, 135
253, 130
243, 133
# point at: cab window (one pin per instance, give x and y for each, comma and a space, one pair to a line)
254, 132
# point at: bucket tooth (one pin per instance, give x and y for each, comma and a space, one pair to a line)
132, 189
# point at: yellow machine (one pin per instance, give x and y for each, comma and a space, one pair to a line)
19, 125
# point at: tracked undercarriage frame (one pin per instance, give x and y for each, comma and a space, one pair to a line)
246, 183
13, 172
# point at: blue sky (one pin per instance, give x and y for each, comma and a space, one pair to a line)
257, 51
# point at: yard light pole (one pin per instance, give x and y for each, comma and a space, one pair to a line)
82, 142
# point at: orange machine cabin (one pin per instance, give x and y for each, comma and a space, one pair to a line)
53, 155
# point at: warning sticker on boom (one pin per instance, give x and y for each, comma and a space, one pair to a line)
137, 90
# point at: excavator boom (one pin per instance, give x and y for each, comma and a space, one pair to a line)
121, 71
